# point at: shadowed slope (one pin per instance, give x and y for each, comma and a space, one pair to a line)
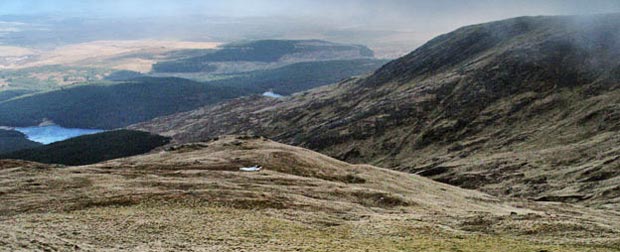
12, 140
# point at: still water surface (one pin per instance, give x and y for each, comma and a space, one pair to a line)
53, 133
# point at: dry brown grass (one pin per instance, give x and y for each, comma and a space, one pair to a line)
194, 198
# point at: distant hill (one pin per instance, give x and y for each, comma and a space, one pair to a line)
300, 76
276, 53
9, 94
137, 99
123, 75
89, 149
127, 97
113, 106
12, 140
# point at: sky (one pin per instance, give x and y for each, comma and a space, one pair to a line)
401, 14
422, 19
323, 8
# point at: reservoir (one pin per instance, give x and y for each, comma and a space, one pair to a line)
53, 133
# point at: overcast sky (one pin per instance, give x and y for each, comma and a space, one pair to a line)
407, 14
422, 19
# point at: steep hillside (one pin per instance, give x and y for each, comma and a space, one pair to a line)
90, 149
263, 54
194, 197
11, 140
525, 107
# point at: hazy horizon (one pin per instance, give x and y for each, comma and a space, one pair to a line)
347, 11
395, 25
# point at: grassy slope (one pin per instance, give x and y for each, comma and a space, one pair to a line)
194, 197
91, 149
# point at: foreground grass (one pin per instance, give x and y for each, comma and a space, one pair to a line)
157, 226
193, 198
